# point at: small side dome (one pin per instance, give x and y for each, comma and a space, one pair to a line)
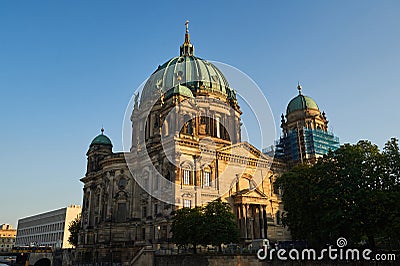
179, 90
101, 140
301, 102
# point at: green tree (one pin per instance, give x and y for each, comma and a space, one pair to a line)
391, 186
299, 204
219, 225
187, 227
74, 227
213, 224
352, 192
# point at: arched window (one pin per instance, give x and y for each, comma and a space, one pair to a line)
222, 128
188, 125
122, 198
217, 127
121, 212
187, 173
147, 130
278, 218
165, 129
187, 176
207, 178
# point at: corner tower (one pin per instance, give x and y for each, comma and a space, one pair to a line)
305, 131
100, 147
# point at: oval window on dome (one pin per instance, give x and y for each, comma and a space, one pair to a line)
179, 76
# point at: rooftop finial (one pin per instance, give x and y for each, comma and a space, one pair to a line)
187, 26
187, 36
299, 87
102, 130
187, 48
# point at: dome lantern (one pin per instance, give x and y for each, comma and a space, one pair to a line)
187, 48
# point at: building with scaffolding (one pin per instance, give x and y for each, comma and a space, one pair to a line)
305, 132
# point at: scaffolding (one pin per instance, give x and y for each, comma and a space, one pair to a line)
304, 143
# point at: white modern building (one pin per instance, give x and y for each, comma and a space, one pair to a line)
47, 229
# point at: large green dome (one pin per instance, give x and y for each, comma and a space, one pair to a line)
101, 140
301, 102
187, 70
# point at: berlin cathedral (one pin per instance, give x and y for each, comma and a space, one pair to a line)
186, 150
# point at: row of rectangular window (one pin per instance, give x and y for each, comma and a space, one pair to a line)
187, 178
5, 240
42, 228
41, 238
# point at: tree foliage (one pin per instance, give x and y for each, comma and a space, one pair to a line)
74, 227
186, 227
219, 224
213, 224
352, 192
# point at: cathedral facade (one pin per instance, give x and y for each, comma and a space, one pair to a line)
186, 150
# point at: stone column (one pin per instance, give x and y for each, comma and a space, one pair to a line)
238, 212
256, 222
259, 223
262, 221
250, 221
244, 217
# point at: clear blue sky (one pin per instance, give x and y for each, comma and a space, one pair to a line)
69, 67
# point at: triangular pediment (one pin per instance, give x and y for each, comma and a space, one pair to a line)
245, 149
251, 193
254, 196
